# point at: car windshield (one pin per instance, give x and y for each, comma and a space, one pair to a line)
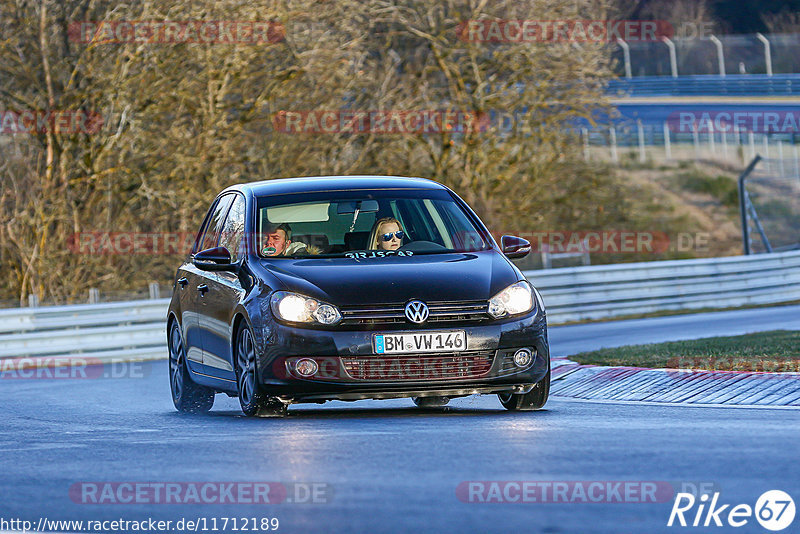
360, 224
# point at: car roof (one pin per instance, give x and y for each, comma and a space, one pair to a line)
283, 186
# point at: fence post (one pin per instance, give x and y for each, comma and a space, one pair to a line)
796, 162
711, 140
696, 139
673, 57
614, 154
780, 159
767, 53
743, 203
751, 138
725, 143
33, 300
585, 135
155, 291
626, 54
667, 142
720, 54
640, 132
94, 295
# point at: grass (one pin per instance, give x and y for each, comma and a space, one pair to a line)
775, 351
723, 188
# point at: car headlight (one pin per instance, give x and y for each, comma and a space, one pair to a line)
513, 300
296, 308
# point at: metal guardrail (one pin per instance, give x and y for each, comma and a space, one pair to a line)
706, 85
601, 291
100, 332
136, 329
48, 318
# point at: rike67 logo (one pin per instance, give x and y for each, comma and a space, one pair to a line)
774, 510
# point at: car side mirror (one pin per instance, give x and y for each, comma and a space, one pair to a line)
515, 247
214, 259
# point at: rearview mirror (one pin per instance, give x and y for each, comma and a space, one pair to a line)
363, 206
214, 259
514, 247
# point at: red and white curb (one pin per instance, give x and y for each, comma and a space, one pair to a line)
674, 386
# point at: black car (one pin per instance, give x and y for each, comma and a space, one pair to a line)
348, 288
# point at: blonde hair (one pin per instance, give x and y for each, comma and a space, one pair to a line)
375, 234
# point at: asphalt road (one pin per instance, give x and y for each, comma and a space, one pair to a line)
385, 466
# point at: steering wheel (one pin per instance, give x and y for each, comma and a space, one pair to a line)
422, 246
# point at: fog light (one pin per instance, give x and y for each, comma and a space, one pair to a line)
522, 358
306, 367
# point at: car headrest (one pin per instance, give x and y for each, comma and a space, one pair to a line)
356, 240
317, 240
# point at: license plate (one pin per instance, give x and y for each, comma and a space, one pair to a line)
420, 342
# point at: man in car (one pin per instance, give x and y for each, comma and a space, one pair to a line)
278, 242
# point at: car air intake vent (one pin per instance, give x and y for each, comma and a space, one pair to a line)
430, 367
440, 312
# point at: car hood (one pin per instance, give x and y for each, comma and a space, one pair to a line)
427, 277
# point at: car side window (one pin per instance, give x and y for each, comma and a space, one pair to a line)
214, 227
232, 236
198, 241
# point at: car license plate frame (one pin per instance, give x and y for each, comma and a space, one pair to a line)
435, 342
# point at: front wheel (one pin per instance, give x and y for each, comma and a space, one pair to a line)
187, 396
253, 402
535, 399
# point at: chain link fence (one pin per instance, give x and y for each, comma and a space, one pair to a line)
770, 207
659, 142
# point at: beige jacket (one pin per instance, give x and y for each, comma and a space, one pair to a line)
297, 246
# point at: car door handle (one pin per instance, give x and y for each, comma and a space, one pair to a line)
183, 282
203, 289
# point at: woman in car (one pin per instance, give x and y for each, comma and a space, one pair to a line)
387, 234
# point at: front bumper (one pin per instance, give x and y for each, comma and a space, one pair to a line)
350, 370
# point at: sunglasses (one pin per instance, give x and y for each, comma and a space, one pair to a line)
388, 237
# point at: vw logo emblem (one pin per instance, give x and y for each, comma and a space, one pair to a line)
417, 311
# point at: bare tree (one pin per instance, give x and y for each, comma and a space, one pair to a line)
183, 120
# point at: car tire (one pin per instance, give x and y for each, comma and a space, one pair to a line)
535, 399
431, 402
187, 396
253, 402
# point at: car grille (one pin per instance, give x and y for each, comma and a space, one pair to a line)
466, 365
440, 312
